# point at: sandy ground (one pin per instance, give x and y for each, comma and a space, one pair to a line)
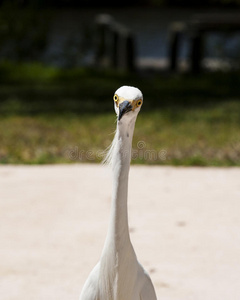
184, 223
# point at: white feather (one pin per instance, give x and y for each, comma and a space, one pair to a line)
110, 151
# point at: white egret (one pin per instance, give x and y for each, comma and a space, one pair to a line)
118, 275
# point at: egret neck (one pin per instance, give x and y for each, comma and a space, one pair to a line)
118, 239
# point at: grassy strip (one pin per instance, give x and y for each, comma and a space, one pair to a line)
49, 115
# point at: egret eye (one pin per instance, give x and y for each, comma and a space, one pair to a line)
115, 98
139, 103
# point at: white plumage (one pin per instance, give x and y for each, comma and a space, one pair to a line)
118, 275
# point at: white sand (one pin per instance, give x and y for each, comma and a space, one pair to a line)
184, 222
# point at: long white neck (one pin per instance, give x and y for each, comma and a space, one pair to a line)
118, 233
118, 253
118, 229
118, 239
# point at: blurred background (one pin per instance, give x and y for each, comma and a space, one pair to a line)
61, 61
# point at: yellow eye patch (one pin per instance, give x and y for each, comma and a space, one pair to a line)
139, 102
115, 98
136, 103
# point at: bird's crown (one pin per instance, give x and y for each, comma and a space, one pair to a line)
129, 93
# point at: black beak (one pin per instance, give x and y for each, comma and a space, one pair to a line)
124, 107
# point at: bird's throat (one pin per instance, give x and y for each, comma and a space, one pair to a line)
118, 238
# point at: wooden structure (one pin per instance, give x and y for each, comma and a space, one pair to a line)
195, 29
115, 44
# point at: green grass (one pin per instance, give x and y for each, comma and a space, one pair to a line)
49, 115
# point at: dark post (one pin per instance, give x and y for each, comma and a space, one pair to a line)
196, 52
176, 31
122, 48
130, 52
103, 24
125, 49
115, 48
173, 51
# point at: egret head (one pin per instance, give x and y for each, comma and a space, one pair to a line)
127, 102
